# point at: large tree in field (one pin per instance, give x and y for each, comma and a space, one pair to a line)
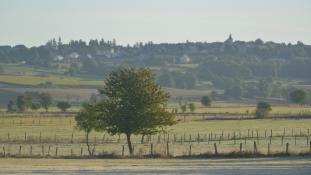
299, 97
134, 104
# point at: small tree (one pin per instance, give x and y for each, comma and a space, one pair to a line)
63, 106
192, 107
21, 103
87, 121
183, 108
300, 97
45, 100
35, 106
11, 106
134, 104
206, 101
263, 109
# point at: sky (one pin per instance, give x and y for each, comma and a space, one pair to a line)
34, 22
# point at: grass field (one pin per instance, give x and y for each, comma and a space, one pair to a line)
60, 132
36, 80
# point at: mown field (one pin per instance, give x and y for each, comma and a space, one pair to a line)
43, 136
56, 80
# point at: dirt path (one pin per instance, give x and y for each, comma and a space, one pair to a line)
262, 166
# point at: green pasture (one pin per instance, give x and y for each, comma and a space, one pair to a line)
62, 133
36, 80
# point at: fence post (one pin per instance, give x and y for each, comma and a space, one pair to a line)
255, 148
287, 147
215, 148
295, 139
49, 150
20, 150
3, 151
241, 147
30, 149
167, 149
42, 150
151, 149
8, 136
40, 137
310, 146
81, 152
268, 148
25, 136
122, 150
72, 138
190, 150
282, 140
56, 151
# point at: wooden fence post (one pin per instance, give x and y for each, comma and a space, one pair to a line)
40, 137
71, 138
241, 147
151, 149
56, 151
122, 150
255, 148
30, 150
295, 139
49, 150
42, 150
167, 149
190, 149
287, 147
3, 151
268, 148
20, 150
25, 136
282, 140
215, 148
81, 151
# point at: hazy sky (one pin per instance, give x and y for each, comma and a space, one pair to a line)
33, 22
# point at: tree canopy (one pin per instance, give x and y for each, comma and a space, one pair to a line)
134, 104
263, 109
299, 97
206, 101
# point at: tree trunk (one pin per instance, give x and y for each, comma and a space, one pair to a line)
129, 143
88, 144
